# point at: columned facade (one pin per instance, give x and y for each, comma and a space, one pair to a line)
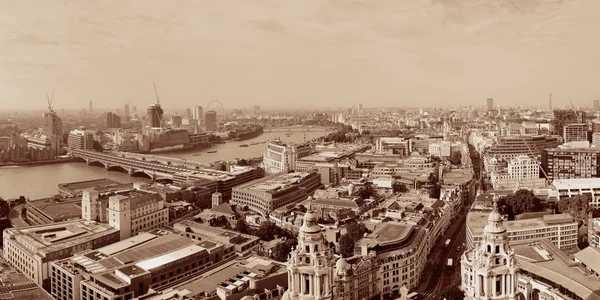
490, 271
311, 264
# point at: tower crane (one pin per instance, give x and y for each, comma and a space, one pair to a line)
50, 99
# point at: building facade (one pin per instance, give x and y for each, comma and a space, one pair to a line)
571, 163
136, 212
269, 193
282, 157
80, 139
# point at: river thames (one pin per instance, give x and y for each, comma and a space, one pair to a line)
36, 182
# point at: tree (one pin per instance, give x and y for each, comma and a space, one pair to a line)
97, 146
577, 206
356, 230
281, 251
399, 187
4, 208
521, 202
453, 293
346, 245
456, 158
241, 226
367, 191
268, 231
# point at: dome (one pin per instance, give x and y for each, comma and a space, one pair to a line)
494, 224
310, 198
310, 224
342, 266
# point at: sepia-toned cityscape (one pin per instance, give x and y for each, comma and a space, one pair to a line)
309, 150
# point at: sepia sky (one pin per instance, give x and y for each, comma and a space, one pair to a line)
381, 53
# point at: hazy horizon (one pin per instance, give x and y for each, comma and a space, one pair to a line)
382, 53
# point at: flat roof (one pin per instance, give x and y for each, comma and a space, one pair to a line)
164, 259
131, 242
53, 237
76, 188
276, 182
576, 184
69, 208
476, 220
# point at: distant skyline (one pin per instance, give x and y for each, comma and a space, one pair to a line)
323, 53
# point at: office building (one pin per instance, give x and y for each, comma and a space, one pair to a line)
130, 268
90, 108
113, 120
269, 193
575, 133
127, 113
490, 103
188, 113
571, 163
154, 116
311, 265
357, 278
566, 117
490, 271
522, 172
135, 212
80, 139
198, 113
401, 249
176, 121
509, 147
52, 131
52, 210
393, 145
210, 121
282, 156
256, 109
596, 105
561, 229
31, 250
566, 188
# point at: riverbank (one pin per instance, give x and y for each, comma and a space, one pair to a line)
38, 163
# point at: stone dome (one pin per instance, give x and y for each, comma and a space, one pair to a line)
310, 224
494, 224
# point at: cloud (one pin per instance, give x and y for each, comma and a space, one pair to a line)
36, 40
269, 25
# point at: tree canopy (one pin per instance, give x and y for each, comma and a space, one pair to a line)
456, 158
281, 251
367, 191
399, 187
268, 231
577, 206
241, 226
521, 202
354, 232
453, 293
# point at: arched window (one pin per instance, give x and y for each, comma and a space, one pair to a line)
316, 248
489, 249
497, 249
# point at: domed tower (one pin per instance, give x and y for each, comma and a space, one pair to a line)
310, 265
490, 271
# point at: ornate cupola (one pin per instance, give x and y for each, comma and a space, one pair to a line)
489, 271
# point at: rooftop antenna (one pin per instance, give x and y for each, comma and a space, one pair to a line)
50, 99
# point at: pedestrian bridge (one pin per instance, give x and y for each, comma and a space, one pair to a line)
131, 164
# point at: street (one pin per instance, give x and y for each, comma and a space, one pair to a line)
436, 277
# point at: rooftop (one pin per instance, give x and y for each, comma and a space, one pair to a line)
276, 182
76, 188
476, 220
576, 184
58, 236
544, 259
59, 209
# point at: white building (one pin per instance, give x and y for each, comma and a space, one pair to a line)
490, 271
137, 211
80, 139
522, 172
282, 157
393, 145
579, 186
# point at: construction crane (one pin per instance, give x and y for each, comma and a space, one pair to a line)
50, 99
156, 94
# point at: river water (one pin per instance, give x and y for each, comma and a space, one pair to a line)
41, 181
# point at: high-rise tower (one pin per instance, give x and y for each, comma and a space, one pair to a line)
490, 103
490, 271
311, 264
